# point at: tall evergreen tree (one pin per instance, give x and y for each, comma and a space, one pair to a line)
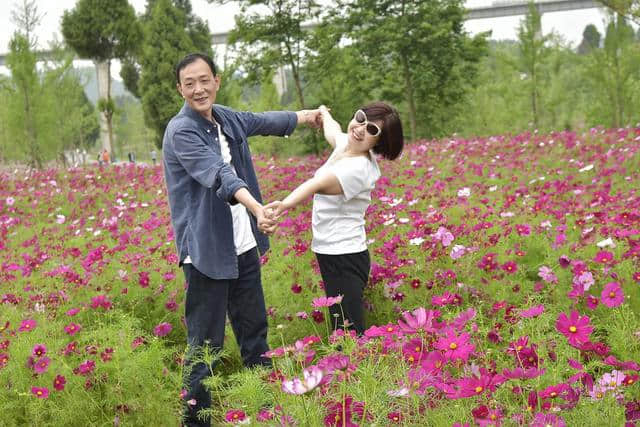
590, 39
274, 39
533, 55
102, 31
419, 52
167, 38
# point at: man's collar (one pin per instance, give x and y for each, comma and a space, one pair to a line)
190, 112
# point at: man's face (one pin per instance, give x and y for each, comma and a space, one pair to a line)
198, 87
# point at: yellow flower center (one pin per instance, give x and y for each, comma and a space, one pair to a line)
519, 348
572, 329
479, 389
453, 346
418, 349
612, 294
553, 394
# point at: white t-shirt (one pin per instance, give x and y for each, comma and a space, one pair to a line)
338, 220
243, 237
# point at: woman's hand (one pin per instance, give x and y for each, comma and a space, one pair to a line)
275, 209
266, 220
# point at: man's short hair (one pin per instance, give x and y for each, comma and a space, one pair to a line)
191, 58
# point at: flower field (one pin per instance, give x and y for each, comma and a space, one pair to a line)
504, 290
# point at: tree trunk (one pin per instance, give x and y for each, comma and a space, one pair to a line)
103, 75
32, 133
409, 91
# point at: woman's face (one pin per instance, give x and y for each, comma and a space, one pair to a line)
362, 133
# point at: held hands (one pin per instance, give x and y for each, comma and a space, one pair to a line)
266, 221
312, 118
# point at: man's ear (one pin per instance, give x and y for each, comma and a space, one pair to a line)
179, 89
217, 79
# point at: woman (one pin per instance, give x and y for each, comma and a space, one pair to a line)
342, 193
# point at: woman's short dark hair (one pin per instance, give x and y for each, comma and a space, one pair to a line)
191, 58
391, 140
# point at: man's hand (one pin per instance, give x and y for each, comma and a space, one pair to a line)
275, 209
311, 118
266, 221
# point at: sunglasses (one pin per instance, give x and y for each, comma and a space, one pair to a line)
361, 118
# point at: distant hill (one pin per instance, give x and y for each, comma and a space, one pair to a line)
88, 75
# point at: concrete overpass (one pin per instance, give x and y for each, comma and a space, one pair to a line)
496, 10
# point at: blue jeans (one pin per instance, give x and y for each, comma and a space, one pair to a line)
207, 303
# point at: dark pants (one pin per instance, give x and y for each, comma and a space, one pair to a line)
346, 275
207, 304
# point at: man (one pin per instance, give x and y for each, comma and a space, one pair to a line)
212, 188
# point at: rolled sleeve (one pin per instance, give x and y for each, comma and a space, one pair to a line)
276, 123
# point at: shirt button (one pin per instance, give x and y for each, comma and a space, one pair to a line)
208, 130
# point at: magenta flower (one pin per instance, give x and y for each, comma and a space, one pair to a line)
455, 347
510, 267
547, 420
534, 311
4, 360
575, 327
27, 325
39, 350
604, 257
41, 365
264, 415
234, 416
85, 368
419, 320
612, 295
72, 328
72, 312
58, 382
636, 276
162, 329
40, 392
394, 417
326, 301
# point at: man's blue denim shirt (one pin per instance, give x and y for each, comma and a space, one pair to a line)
201, 186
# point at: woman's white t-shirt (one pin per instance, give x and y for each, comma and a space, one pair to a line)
338, 220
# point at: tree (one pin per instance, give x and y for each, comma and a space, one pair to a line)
590, 39
22, 64
166, 40
613, 72
27, 18
626, 8
419, 52
102, 31
273, 39
533, 54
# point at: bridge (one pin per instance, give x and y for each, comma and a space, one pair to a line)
495, 10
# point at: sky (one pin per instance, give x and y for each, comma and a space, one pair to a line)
569, 25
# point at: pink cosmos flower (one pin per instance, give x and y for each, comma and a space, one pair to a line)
10, 201
636, 276
458, 251
234, 416
612, 295
394, 417
311, 378
584, 280
41, 365
264, 415
85, 368
72, 328
326, 301
444, 236
162, 329
39, 350
72, 312
534, 311
510, 267
27, 325
546, 274
523, 229
612, 380
418, 321
339, 413
547, 420
58, 382
40, 392
455, 347
575, 327
4, 360
604, 257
